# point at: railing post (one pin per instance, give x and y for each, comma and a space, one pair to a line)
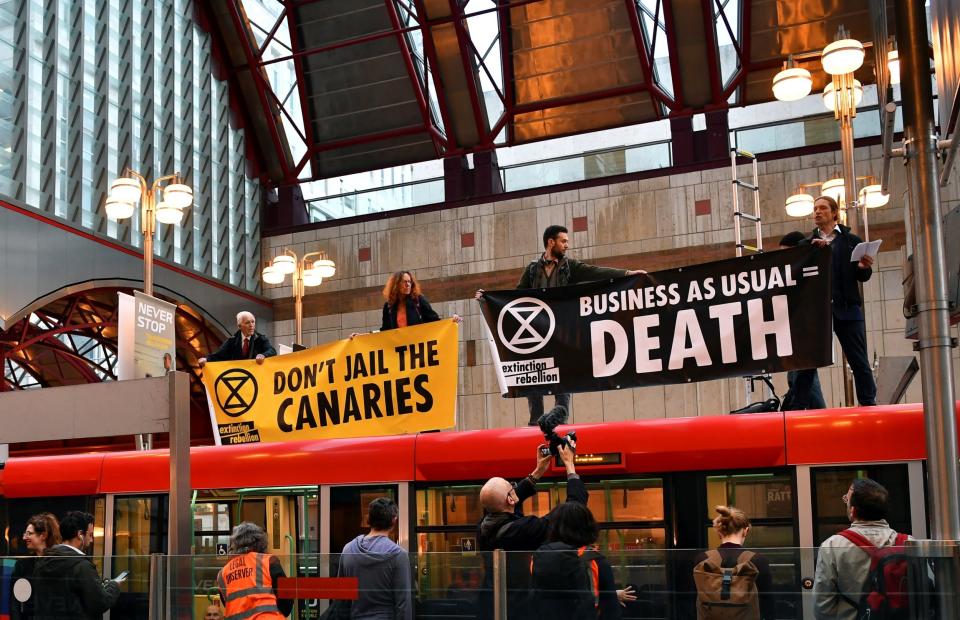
499, 584
157, 593
944, 600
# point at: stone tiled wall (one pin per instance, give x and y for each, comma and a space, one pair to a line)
644, 224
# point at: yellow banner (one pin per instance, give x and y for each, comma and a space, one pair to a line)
395, 382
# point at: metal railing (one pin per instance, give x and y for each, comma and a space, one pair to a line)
469, 584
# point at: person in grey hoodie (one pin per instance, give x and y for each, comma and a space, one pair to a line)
381, 566
842, 567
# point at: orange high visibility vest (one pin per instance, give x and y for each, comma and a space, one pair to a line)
247, 588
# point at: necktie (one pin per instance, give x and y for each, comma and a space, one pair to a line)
246, 347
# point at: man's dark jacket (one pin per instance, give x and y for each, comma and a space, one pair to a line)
516, 533
570, 271
66, 586
419, 311
232, 348
846, 274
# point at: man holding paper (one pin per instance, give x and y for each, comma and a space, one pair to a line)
846, 303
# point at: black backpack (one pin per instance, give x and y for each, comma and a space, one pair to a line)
565, 581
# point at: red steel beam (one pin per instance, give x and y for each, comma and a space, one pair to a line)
657, 95
298, 67
466, 60
712, 46
672, 52
506, 66
260, 82
581, 98
415, 83
449, 141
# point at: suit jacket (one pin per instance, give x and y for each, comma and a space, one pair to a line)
846, 300
232, 348
419, 311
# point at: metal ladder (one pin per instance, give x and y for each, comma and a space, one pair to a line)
735, 185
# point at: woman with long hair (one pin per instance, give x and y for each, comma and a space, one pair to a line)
405, 303
43, 532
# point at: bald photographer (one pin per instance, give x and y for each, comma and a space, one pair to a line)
504, 526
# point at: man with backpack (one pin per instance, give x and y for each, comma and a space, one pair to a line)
862, 571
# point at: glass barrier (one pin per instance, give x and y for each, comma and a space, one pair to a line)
620, 582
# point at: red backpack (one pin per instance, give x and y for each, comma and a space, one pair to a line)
885, 594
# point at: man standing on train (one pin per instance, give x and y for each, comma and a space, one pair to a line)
552, 269
246, 344
504, 526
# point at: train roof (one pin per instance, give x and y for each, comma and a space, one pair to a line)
723, 442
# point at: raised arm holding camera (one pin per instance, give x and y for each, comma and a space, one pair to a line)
504, 526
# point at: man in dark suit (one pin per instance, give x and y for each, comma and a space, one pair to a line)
846, 303
246, 344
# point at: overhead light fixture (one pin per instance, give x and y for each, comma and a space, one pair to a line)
168, 214
842, 56
830, 97
792, 83
125, 189
118, 209
799, 205
835, 189
872, 197
178, 195
325, 267
284, 263
893, 64
312, 278
271, 275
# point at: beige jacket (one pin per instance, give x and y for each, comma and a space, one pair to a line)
843, 568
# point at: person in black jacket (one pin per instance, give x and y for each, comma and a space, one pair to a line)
245, 344
42, 532
554, 268
572, 538
504, 526
846, 303
66, 585
406, 305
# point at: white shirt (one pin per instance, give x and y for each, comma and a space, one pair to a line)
833, 234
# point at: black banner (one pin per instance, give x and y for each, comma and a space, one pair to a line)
750, 315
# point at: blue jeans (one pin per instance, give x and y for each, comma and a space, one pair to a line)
536, 406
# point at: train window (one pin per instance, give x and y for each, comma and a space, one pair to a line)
449, 505
139, 529
767, 500
348, 512
626, 500
830, 484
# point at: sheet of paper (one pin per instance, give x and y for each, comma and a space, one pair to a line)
869, 248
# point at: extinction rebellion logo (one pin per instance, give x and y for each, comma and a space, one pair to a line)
525, 326
236, 391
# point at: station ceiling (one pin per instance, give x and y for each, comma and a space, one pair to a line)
334, 87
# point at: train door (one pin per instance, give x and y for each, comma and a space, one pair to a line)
137, 527
344, 515
287, 516
822, 512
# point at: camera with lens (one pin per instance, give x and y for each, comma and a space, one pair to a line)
548, 424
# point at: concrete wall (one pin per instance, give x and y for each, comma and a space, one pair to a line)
650, 223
